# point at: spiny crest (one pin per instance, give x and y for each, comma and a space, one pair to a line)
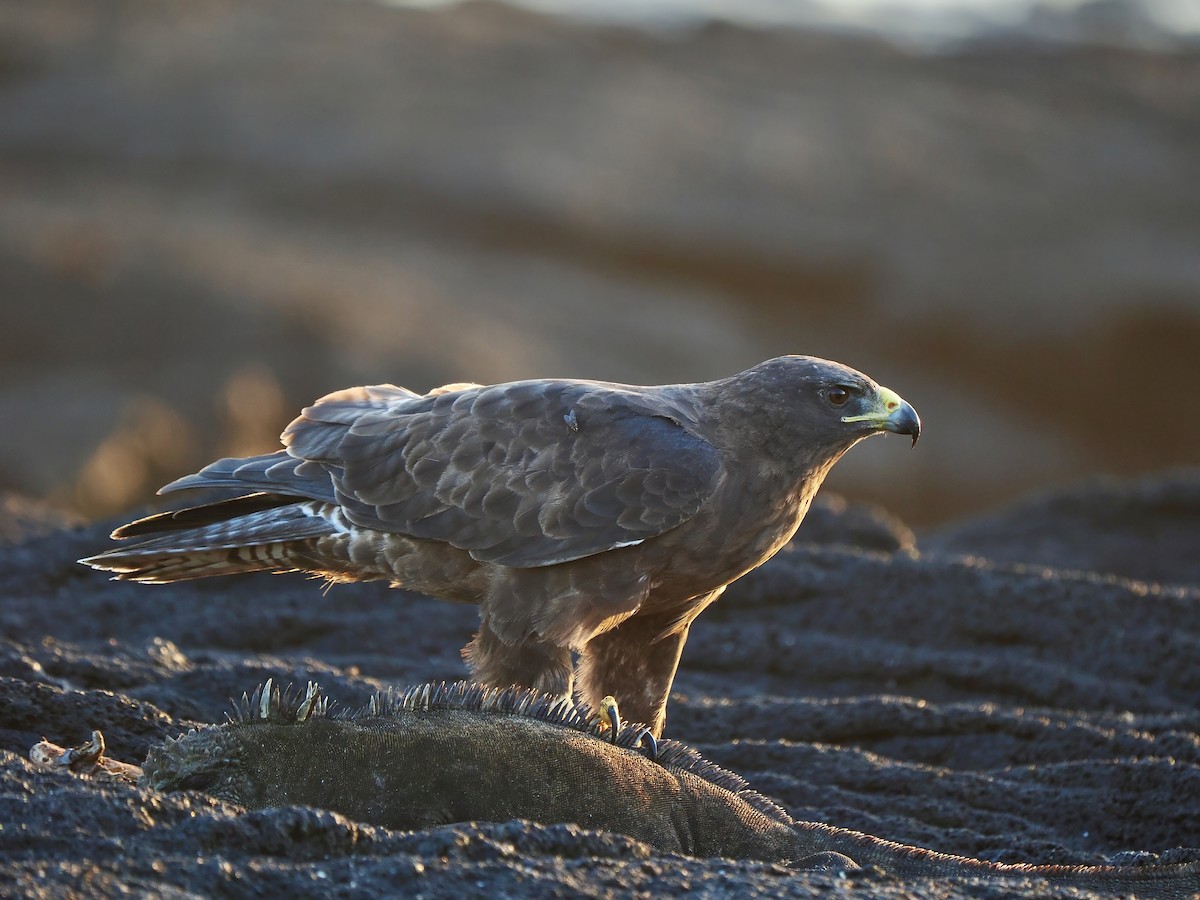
269, 703
471, 697
675, 755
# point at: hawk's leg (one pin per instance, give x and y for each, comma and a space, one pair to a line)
635, 663
531, 663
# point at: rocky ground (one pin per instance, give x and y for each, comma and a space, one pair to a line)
1020, 687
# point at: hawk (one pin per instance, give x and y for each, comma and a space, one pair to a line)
579, 516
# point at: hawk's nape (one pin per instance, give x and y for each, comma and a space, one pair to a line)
579, 515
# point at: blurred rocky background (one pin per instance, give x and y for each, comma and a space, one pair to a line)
213, 212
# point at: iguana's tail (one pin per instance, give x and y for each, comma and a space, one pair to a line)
1167, 881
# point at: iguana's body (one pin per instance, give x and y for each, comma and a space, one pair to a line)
440, 754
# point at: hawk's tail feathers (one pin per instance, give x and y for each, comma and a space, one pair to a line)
193, 518
260, 541
163, 568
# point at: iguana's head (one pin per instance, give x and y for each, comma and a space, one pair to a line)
205, 759
212, 759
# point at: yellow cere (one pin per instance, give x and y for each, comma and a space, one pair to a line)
888, 399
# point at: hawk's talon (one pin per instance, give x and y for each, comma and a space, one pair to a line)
647, 742
610, 717
610, 720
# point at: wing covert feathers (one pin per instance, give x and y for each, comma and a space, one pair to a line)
524, 474
274, 473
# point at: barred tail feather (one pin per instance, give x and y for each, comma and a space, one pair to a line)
163, 568
260, 541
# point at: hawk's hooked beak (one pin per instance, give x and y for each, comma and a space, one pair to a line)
893, 413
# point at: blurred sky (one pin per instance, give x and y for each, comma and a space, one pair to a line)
916, 20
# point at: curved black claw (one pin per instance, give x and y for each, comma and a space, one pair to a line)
647, 742
610, 717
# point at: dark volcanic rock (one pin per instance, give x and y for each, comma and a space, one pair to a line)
833, 520
1147, 529
1010, 712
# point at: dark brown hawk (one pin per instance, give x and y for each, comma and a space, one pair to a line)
578, 515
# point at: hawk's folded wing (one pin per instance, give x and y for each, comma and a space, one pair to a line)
524, 474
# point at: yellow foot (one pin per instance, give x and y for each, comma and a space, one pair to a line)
610, 716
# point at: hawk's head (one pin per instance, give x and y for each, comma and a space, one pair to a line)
819, 407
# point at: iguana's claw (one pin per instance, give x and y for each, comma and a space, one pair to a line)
78, 759
86, 759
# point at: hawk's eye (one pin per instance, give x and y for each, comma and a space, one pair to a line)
837, 396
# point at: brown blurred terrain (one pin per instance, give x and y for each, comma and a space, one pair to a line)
211, 213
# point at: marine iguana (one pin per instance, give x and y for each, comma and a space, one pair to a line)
436, 754
580, 516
